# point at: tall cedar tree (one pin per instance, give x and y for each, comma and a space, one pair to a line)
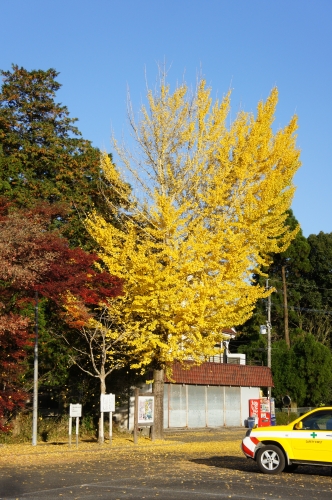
42, 153
317, 300
34, 259
287, 269
212, 208
288, 277
321, 262
307, 262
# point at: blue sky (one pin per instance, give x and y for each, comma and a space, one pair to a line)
101, 47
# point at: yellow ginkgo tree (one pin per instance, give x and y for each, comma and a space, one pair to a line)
207, 207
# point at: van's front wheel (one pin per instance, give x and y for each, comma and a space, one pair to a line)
270, 459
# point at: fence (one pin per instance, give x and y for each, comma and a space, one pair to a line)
299, 410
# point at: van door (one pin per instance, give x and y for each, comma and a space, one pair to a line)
313, 443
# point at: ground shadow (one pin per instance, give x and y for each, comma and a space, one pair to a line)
247, 465
56, 443
81, 440
228, 462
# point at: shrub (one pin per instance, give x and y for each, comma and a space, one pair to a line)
283, 418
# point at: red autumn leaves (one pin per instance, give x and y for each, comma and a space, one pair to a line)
35, 258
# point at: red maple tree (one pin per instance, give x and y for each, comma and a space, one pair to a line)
34, 258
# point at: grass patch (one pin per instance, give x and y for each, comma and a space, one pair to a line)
52, 429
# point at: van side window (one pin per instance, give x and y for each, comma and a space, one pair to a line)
318, 421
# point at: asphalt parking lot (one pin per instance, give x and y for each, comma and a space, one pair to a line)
188, 465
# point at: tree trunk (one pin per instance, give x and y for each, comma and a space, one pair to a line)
101, 418
284, 285
158, 390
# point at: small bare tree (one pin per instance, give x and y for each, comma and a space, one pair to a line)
103, 350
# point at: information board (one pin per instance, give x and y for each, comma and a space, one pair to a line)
145, 410
107, 403
75, 410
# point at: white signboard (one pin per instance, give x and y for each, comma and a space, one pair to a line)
75, 410
145, 409
107, 402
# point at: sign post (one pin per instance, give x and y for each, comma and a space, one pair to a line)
77, 427
70, 429
136, 415
144, 411
76, 412
107, 405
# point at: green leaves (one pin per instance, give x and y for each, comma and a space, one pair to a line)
42, 153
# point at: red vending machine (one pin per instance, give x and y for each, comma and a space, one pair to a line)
260, 410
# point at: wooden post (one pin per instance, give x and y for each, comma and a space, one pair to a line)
136, 415
110, 426
70, 429
101, 428
77, 428
284, 287
158, 390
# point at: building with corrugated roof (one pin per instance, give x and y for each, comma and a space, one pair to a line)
213, 394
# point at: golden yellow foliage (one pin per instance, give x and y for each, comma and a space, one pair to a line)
49, 453
210, 210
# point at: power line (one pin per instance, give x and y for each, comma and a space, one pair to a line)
293, 308
303, 285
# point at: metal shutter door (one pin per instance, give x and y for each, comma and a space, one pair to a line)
196, 406
215, 406
177, 406
232, 406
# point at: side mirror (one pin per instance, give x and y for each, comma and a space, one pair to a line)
298, 426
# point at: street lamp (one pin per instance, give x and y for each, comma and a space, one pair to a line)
35, 378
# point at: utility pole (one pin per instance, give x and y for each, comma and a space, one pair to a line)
284, 286
35, 378
268, 326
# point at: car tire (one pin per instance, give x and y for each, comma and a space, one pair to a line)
270, 459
